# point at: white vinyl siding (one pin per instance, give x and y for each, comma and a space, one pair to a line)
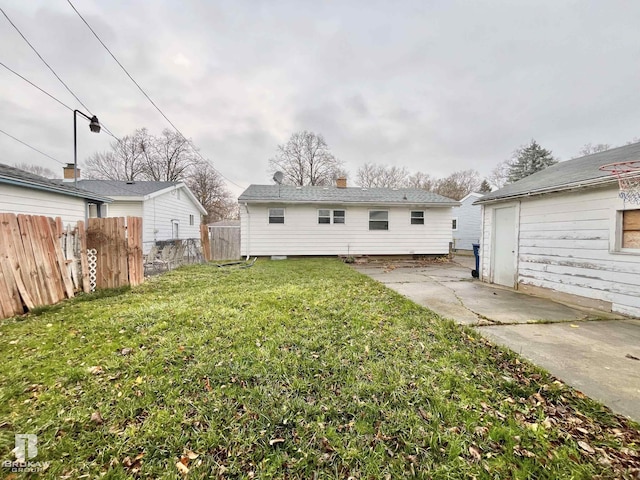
467, 223
568, 243
28, 201
160, 212
302, 235
125, 209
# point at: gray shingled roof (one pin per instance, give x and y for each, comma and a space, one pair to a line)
15, 176
116, 188
578, 172
291, 194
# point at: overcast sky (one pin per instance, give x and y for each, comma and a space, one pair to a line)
435, 86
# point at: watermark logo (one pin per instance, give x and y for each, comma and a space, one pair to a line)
26, 448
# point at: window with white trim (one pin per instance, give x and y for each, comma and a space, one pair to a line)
378, 220
326, 216
276, 215
417, 217
454, 224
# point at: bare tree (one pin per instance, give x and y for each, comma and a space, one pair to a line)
371, 176
210, 190
125, 160
588, 149
458, 184
36, 170
500, 174
306, 160
420, 180
167, 158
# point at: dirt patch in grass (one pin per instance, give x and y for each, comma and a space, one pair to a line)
290, 369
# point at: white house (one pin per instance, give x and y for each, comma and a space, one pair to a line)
169, 210
289, 220
30, 194
565, 232
467, 222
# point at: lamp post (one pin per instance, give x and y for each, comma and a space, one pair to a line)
94, 126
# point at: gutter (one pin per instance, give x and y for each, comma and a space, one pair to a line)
363, 204
84, 194
599, 182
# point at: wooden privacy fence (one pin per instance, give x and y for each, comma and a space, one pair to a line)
42, 263
225, 242
204, 243
118, 248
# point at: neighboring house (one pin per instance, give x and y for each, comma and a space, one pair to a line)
30, 194
289, 220
564, 230
467, 222
169, 210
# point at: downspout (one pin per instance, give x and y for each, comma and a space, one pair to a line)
246, 208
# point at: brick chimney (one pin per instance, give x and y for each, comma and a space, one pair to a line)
341, 182
68, 172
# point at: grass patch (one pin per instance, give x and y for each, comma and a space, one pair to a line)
290, 369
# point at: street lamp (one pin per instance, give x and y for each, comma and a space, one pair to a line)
94, 126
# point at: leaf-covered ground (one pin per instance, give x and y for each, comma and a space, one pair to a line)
291, 369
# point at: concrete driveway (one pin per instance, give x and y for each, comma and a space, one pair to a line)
595, 352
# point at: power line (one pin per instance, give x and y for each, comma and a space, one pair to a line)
145, 93
34, 85
53, 71
32, 147
51, 96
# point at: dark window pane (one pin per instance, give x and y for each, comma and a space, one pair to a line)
378, 225
417, 221
276, 219
324, 220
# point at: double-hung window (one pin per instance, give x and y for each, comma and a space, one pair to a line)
276, 215
454, 224
331, 216
417, 217
378, 220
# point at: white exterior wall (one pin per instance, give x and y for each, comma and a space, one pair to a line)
158, 212
302, 235
469, 224
567, 242
28, 201
124, 209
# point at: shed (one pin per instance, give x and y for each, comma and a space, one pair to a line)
564, 232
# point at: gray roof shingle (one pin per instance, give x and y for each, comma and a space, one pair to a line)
116, 188
16, 176
577, 172
292, 194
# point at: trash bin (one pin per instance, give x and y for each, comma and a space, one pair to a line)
476, 253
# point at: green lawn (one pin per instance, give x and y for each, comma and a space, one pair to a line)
292, 369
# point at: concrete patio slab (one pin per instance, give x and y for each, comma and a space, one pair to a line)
597, 358
590, 350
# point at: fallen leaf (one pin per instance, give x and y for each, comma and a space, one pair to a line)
274, 441
191, 455
574, 326
586, 447
97, 418
182, 468
126, 351
95, 370
475, 452
628, 355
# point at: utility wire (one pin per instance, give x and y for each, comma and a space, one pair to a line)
34, 85
145, 93
53, 71
50, 96
32, 147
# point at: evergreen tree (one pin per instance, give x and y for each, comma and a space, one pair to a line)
485, 187
529, 159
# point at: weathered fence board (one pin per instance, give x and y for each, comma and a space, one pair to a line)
42, 263
225, 243
204, 242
